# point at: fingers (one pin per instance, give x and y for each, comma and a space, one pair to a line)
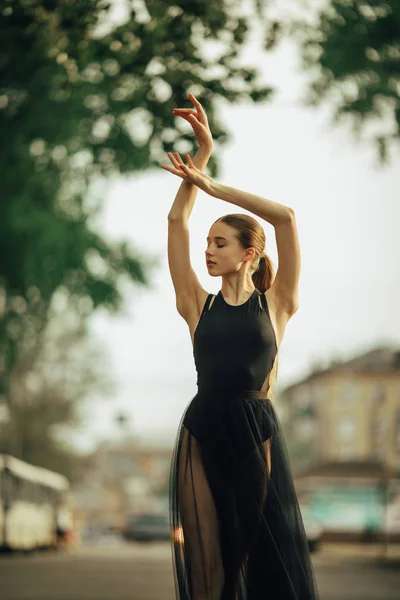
199, 113
175, 158
177, 161
194, 100
178, 157
186, 111
178, 172
189, 115
189, 161
179, 167
171, 169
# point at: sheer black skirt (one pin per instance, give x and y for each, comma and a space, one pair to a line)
236, 528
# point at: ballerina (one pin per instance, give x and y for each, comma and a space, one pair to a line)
236, 528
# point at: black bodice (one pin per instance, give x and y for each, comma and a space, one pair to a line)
234, 346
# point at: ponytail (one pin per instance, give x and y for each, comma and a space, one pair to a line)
262, 279
263, 276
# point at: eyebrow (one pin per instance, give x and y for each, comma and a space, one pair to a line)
218, 237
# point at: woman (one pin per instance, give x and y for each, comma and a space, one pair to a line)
237, 530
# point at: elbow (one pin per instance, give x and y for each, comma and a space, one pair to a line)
177, 218
291, 214
285, 216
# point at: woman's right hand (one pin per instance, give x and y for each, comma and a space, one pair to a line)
199, 122
190, 173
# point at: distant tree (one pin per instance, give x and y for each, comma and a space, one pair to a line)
77, 103
352, 50
49, 386
83, 97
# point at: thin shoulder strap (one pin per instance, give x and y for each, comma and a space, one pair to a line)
264, 303
206, 304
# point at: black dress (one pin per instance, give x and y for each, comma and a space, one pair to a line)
236, 528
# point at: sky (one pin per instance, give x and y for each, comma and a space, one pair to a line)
347, 210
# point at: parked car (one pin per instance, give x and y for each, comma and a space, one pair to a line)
313, 529
147, 527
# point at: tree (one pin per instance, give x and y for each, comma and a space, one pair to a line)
353, 50
82, 98
77, 104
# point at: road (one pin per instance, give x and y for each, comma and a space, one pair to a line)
122, 571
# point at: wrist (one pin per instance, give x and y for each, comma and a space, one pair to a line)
207, 146
201, 157
206, 149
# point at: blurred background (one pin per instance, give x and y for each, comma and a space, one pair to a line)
96, 365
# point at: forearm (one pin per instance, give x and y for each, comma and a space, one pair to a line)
270, 211
186, 196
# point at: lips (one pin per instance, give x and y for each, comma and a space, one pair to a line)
210, 263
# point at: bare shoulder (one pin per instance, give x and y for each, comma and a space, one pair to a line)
279, 313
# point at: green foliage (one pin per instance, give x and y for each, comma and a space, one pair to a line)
83, 97
355, 46
78, 103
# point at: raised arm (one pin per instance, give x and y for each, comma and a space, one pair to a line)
190, 295
283, 293
284, 289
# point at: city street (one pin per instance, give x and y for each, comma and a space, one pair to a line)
119, 571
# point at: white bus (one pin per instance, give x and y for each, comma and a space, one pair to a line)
29, 500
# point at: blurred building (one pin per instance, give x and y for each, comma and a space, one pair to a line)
342, 425
124, 479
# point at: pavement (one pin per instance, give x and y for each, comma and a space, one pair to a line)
112, 569
360, 553
328, 551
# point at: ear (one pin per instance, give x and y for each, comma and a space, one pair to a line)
249, 254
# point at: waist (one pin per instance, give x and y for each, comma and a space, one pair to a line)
233, 392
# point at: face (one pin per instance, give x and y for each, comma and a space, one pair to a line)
224, 250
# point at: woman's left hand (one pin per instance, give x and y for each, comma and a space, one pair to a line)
189, 172
199, 122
